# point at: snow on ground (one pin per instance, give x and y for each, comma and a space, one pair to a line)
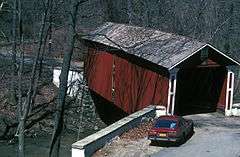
215, 136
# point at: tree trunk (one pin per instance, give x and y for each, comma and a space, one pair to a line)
20, 71
56, 137
14, 52
32, 89
81, 104
130, 12
146, 14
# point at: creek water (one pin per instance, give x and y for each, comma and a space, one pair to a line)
39, 146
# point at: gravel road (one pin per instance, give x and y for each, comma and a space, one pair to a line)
215, 136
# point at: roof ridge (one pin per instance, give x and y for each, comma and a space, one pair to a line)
152, 29
162, 48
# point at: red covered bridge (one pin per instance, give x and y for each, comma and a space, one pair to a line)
129, 68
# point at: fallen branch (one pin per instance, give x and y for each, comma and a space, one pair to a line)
3, 75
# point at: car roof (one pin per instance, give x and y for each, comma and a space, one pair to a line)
169, 117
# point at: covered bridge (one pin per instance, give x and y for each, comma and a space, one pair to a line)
131, 67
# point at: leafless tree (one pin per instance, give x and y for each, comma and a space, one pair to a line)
20, 70
24, 107
14, 52
72, 10
214, 21
130, 12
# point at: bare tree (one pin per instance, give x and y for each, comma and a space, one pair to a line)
146, 22
130, 12
20, 70
24, 108
14, 52
72, 10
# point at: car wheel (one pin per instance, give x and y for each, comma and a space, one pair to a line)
153, 143
183, 139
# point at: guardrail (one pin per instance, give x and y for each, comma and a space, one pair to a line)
87, 146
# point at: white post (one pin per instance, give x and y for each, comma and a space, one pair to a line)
172, 91
229, 91
78, 152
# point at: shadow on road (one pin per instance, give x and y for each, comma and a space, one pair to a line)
171, 144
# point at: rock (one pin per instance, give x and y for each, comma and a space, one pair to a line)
11, 142
95, 127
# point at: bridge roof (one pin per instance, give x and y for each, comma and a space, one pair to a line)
164, 49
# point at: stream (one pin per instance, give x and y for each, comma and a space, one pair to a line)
39, 146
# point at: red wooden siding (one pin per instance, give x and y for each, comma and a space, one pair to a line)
209, 63
99, 73
137, 87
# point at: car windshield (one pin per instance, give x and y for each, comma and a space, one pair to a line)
166, 124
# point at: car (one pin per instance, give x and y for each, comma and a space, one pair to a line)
171, 128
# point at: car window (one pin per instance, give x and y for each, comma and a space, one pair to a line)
173, 125
166, 124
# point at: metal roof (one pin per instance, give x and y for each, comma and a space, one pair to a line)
164, 49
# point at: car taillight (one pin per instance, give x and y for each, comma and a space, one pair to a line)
172, 133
